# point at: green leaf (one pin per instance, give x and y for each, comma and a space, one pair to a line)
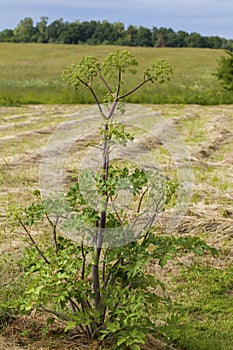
70, 325
165, 258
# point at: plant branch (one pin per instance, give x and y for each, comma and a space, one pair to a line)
94, 95
151, 221
120, 221
84, 262
112, 109
120, 259
104, 264
106, 84
97, 101
33, 242
139, 208
119, 83
133, 90
57, 314
54, 226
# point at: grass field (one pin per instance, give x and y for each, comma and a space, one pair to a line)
201, 287
31, 74
34, 101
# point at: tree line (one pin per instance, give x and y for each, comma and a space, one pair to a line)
105, 33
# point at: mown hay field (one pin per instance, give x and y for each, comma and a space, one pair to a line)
202, 287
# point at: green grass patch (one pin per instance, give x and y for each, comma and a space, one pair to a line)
205, 293
31, 74
10, 284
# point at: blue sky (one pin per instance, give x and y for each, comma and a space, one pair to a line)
207, 17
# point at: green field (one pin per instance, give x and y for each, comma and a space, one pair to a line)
31, 74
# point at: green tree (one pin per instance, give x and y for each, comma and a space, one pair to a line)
118, 33
215, 42
42, 30
166, 37
144, 37
24, 30
86, 31
7, 35
195, 40
182, 38
130, 37
103, 33
55, 30
74, 36
225, 70
227, 44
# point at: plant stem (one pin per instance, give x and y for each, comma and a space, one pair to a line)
54, 227
119, 83
106, 84
103, 214
83, 263
133, 90
33, 242
94, 95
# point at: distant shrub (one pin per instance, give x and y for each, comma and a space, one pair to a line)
225, 70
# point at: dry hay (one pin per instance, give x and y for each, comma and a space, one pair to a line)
218, 232
196, 226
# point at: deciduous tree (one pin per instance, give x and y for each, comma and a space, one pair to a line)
225, 70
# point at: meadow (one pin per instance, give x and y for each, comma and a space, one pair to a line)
31, 74
34, 101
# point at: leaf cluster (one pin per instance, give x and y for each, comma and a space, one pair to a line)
160, 71
83, 72
129, 295
116, 134
115, 65
119, 61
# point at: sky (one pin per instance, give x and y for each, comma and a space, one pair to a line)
207, 17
